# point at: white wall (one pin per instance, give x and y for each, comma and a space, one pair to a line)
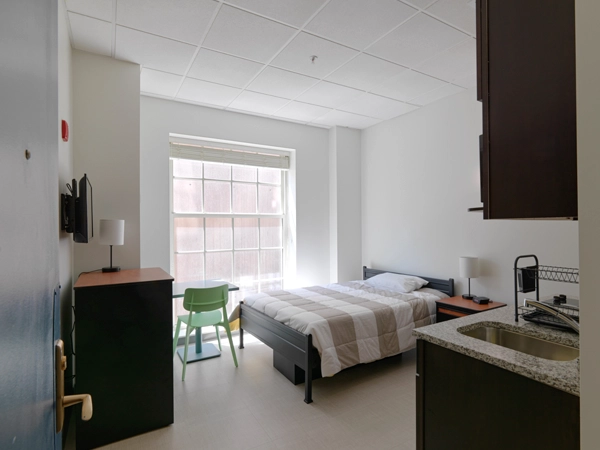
333, 217
161, 117
106, 146
345, 204
65, 170
420, 174
588, 136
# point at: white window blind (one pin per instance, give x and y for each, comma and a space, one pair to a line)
229, 153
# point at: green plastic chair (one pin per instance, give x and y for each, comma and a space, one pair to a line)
206, 307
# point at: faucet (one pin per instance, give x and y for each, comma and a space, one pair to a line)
553, 312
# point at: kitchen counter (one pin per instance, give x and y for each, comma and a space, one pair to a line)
562, 375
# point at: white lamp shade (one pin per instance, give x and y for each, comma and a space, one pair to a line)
112, 231
469, 266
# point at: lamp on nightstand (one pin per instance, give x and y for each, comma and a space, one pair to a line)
469, 268
111, 233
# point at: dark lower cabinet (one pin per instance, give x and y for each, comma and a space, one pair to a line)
527, 84
464, 403
124, 353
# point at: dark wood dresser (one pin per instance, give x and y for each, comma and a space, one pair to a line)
124, 359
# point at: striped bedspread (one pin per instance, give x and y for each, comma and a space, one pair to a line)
351, 323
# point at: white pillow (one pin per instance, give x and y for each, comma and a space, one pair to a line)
396, 282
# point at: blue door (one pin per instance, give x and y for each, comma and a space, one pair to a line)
29, 222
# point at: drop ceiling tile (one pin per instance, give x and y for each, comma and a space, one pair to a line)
358, 23
91, 35
407, 86
153, 51
416, 40
345, 119
100, 9
420, 3
208, 93
460, 13
160, 83
281, 83
258, 103
223, 69
468, 81
292, 12
328, 94
183, 20
302, 112
378, 107
437, 94
247, 35
456, 62
297, 56
364, 72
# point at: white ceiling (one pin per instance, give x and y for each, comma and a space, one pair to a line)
375, 59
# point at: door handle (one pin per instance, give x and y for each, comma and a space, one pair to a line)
62, 401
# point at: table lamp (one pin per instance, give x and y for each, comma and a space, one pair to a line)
469, 268
111, 233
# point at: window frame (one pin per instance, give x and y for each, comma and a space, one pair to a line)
283, 216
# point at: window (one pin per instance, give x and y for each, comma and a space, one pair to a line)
228, 220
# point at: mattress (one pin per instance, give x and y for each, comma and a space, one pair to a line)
350, 323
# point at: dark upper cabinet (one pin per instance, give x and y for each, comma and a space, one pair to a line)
526, 81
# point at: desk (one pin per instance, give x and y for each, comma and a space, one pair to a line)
199, 351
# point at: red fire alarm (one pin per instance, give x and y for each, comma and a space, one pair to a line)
65, 130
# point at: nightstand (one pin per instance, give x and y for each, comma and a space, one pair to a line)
453, 307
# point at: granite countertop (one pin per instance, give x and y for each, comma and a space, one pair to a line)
563, 375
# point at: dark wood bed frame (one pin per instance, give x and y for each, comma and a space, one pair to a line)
293, 351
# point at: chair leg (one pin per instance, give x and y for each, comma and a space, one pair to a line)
187, 341
218, 338
176, 338
226, 326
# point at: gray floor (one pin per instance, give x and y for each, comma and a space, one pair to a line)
255, 407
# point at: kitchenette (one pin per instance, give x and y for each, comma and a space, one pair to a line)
476, 390
509, 377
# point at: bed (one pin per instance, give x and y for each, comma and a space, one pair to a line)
294, 354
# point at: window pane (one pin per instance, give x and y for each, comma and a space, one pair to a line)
204, 245
270, 233
189, 234
244, 198
245, 268
271, 285
217, 197
271, 176
189, 267
245, 233
187, 168
219, 266
219, 234
243, 173
217, 171
270, 264
269, 199
178, 310
187, 196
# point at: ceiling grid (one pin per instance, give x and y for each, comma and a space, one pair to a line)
375, 59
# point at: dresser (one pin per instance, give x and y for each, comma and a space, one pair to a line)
123, 353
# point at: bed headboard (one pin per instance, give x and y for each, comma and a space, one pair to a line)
445, 286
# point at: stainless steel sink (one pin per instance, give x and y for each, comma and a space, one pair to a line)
522, 343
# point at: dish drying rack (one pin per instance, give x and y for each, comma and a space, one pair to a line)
530, 277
